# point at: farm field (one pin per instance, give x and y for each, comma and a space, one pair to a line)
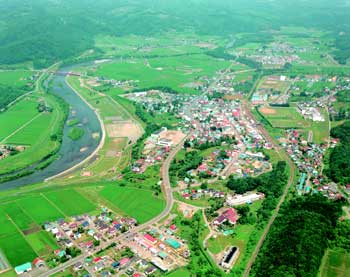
13, 244
17, 249
19, 217
24, 125
17, 116
166, 44
21, 236
39, 208
42, 242
15, 78
70, 202
179, 73
137, 203
335, 264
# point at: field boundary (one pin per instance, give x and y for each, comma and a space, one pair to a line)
20, 128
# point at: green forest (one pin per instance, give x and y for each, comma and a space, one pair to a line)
298, 238
339, 162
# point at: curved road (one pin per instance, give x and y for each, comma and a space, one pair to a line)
169, 204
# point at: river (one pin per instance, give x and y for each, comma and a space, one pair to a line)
71, 152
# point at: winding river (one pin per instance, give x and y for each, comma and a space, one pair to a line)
71, 152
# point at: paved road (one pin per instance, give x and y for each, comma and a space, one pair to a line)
291, 165
169, 204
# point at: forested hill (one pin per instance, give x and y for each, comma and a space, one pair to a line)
339, 162
45, 31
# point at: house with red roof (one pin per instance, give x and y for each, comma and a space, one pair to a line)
38, 262
230, 215
149, 238
124, 261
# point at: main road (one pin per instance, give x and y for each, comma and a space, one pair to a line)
166, 188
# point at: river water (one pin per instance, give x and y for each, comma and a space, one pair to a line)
71, 152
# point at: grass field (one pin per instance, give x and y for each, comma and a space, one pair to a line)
288, 117
182, 272
335, 264
70, 202
137, 203
219, 244
103, 104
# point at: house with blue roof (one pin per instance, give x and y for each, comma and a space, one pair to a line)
20, 269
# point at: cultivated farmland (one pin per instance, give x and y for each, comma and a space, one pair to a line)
70, 202
40, 209
140, 204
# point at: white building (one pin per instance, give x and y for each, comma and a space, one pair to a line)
239, 199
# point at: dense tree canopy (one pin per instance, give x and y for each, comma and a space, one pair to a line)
339, 162
298, 238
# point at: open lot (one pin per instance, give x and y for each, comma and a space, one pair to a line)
124, 129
